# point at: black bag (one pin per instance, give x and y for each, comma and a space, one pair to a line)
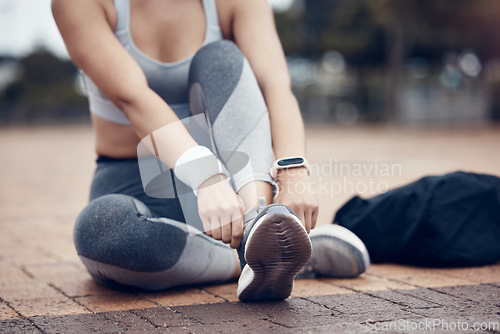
449, 220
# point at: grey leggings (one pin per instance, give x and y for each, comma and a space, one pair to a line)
126, 238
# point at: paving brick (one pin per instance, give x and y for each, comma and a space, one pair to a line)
129, 321
355, 303
378, 316
12, 275
458, 311
225, 291
84, 286
165, 317
219, 313
77, 323
314, 287
486, 274
55, 272
64, 252
362, 309
367, 283
433, 296
406, 301
257, 326
17, 326
29, 290
172, 320
456, 301
485, 294
188, 296
27, 254
345, 328
6, 312
296, 312
47, 306
120, 302
421, 277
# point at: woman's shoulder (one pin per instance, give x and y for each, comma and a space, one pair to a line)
230, 7
230, 11
65, 8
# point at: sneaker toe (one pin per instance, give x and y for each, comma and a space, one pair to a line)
337, 252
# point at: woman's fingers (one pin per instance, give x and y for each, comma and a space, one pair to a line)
307, 213
206, 225
224, 222
226, 229
314, 217
216, 228
308, 218
236, 230
221, 211
300, 213
307, 221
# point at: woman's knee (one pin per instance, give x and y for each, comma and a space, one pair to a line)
215, 72
116, 230
102, 214
221, 57
107, 208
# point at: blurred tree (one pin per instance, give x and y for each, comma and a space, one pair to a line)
44, 91
431, 28
387, 32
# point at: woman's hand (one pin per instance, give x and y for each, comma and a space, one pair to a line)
296, 193
221, 211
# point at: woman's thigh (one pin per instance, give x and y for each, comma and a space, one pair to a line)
122, 176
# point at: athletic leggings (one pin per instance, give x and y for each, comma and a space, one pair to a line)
126, 238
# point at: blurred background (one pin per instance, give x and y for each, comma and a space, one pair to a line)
352, 62
391, 90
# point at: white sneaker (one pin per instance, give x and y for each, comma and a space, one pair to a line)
274, 247
336, 252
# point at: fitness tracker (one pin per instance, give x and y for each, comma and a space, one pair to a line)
286, 163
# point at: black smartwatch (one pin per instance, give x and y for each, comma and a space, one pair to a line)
286, 163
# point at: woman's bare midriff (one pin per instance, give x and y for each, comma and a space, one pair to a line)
114, 140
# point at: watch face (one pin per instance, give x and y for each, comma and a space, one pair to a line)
290, 161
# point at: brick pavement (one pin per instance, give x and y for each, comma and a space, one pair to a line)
45, 173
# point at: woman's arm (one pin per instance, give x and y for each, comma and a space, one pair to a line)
95, 49
255, 34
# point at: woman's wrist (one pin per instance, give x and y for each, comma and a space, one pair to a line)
197, 165
292, 174
212, 180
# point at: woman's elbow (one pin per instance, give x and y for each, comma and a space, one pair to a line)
128, 100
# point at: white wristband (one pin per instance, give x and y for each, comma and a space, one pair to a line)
196, 165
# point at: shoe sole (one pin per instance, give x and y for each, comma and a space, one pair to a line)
278, 247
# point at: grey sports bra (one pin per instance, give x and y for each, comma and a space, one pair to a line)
168, 80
